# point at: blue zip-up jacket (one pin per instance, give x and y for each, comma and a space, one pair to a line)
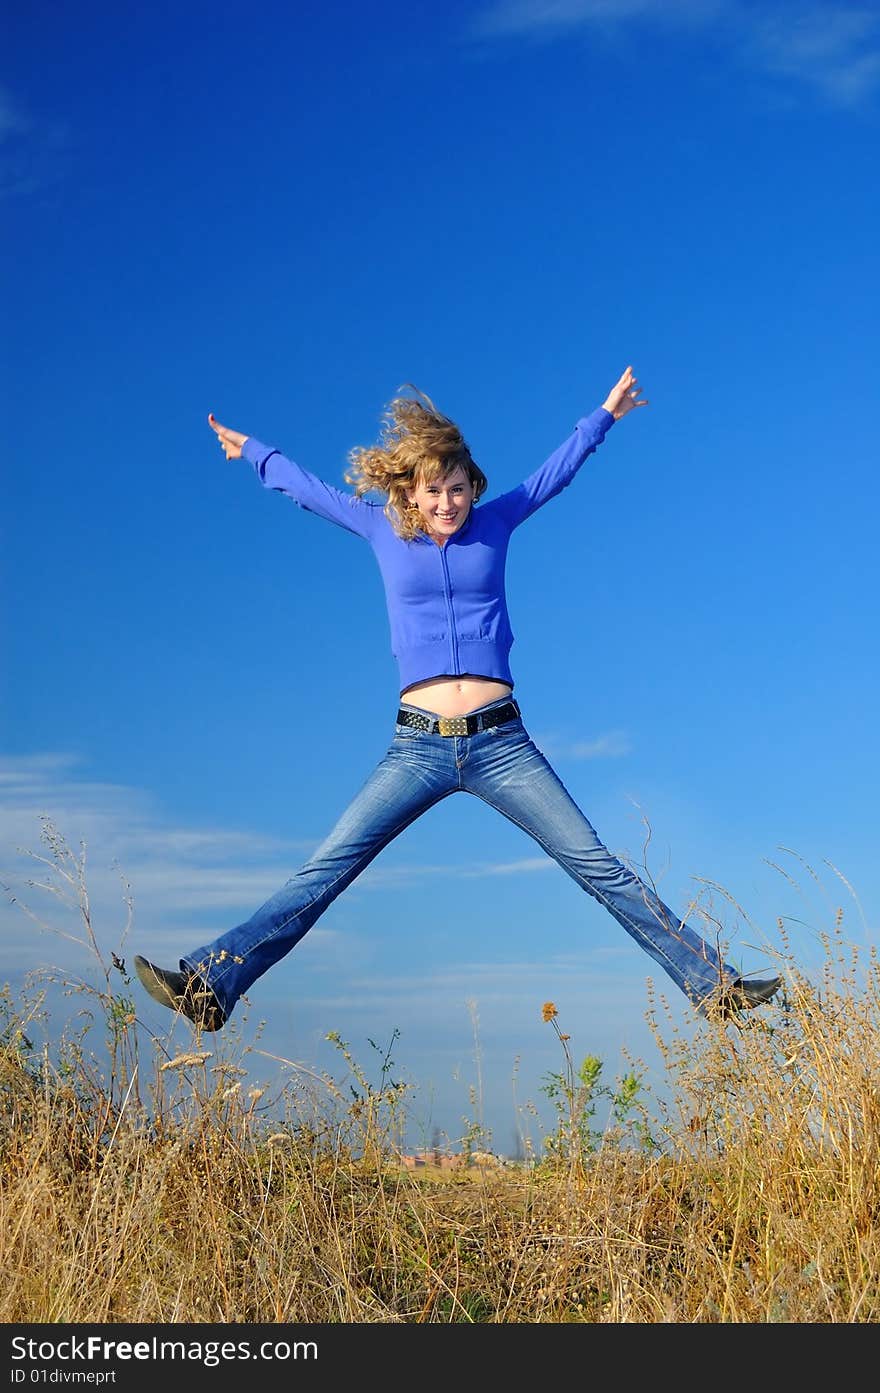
447, 606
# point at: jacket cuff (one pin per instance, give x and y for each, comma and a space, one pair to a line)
255, 452
598, 420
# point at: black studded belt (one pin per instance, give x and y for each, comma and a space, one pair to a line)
460, 725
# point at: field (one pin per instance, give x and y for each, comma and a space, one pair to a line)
149, 1191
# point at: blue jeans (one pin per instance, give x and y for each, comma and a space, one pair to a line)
504, 768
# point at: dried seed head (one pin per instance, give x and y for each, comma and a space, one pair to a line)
180, 1061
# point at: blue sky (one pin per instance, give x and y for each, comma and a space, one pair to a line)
281, 214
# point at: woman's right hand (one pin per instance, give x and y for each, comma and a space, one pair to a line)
231, 441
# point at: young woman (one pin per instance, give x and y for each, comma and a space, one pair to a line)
442, 556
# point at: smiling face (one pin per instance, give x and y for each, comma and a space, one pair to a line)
444, 502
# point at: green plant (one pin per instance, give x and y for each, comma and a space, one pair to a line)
575, 1093
376, 1110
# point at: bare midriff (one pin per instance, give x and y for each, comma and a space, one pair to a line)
455, 696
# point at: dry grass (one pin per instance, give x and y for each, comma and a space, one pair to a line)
160, 1194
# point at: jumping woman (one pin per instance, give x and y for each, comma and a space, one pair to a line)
442, 553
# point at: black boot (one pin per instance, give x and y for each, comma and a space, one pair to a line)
743, 995
183, 992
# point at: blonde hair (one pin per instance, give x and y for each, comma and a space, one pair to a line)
417, 445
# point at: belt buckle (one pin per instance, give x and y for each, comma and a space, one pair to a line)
452, 725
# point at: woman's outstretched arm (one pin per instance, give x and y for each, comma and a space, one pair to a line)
276, 471
557, 472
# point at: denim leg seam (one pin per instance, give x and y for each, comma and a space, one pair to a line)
364, 861
603, 900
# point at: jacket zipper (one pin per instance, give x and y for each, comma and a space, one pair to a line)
447, 591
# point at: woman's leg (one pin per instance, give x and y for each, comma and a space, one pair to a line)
506, 769
406, 782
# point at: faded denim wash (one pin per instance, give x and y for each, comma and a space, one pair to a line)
504, 768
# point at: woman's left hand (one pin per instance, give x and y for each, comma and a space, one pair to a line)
624, 395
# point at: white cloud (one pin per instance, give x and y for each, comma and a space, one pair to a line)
548, 18
32, 770
377, 877
611, 746
13, 121
614, 744
33, 153
834, 50
62, 837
